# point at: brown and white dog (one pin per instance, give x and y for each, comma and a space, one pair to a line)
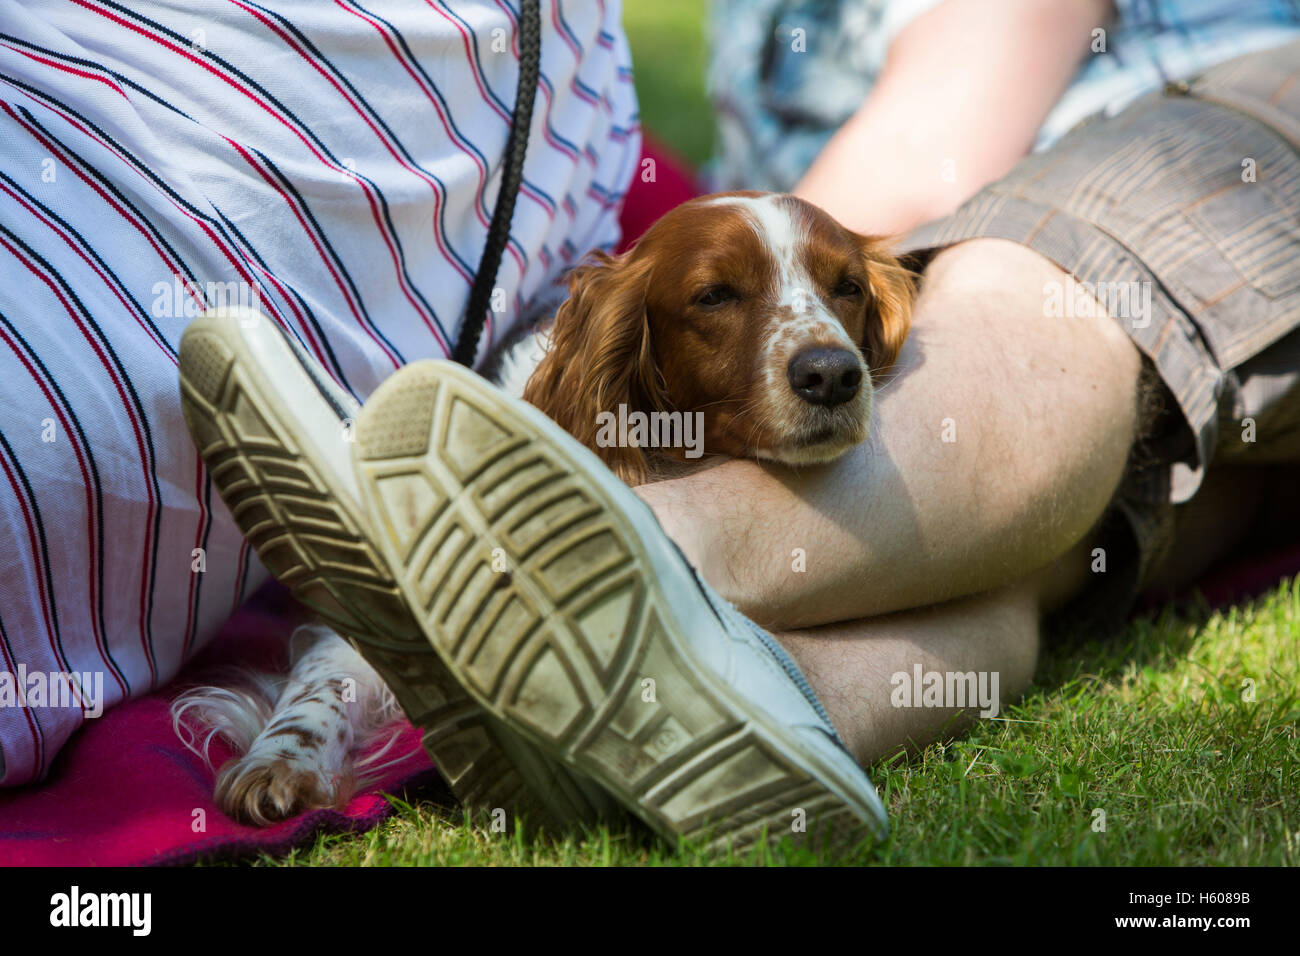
757, 312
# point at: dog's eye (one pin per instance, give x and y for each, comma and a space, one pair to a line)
716, 296
847, 289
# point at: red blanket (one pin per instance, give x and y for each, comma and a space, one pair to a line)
125, 790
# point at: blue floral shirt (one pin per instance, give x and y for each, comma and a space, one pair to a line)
785, 74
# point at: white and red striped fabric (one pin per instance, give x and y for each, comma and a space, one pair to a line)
336, 161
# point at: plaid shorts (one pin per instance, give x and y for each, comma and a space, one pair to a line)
1182, 215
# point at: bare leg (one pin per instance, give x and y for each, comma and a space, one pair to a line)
933, 553
1038, 412
851, 665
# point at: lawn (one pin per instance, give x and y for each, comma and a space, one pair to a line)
1172, 743
668, 56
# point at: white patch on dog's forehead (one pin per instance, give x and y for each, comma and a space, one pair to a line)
783, 235
800, 320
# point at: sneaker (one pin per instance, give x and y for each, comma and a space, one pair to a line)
276, 434
551, 593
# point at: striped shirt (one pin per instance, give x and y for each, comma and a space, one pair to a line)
334, 163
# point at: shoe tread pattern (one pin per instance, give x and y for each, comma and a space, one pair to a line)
314, 545
549, 622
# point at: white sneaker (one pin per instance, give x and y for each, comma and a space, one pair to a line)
551, 593
276, 433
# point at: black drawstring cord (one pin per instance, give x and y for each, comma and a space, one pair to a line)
480, 295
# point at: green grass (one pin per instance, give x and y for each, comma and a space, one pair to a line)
668, 60
1149, 726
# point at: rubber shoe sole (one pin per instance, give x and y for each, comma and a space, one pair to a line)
310, 534
536, 591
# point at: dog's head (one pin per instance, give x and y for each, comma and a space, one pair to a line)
758, 310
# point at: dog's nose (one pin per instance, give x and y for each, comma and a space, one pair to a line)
827, 377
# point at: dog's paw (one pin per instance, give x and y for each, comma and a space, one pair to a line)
263, 790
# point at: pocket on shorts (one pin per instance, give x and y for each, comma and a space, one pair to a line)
1258, 231
1245, 281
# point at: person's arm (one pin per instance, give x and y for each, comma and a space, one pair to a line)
964, 90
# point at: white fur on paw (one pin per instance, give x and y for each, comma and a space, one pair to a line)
265, 787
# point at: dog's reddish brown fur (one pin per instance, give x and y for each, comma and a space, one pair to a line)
632, 331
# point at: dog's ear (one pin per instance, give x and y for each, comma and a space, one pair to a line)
600, 357
889, 309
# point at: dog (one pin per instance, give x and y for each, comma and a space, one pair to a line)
743, 324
